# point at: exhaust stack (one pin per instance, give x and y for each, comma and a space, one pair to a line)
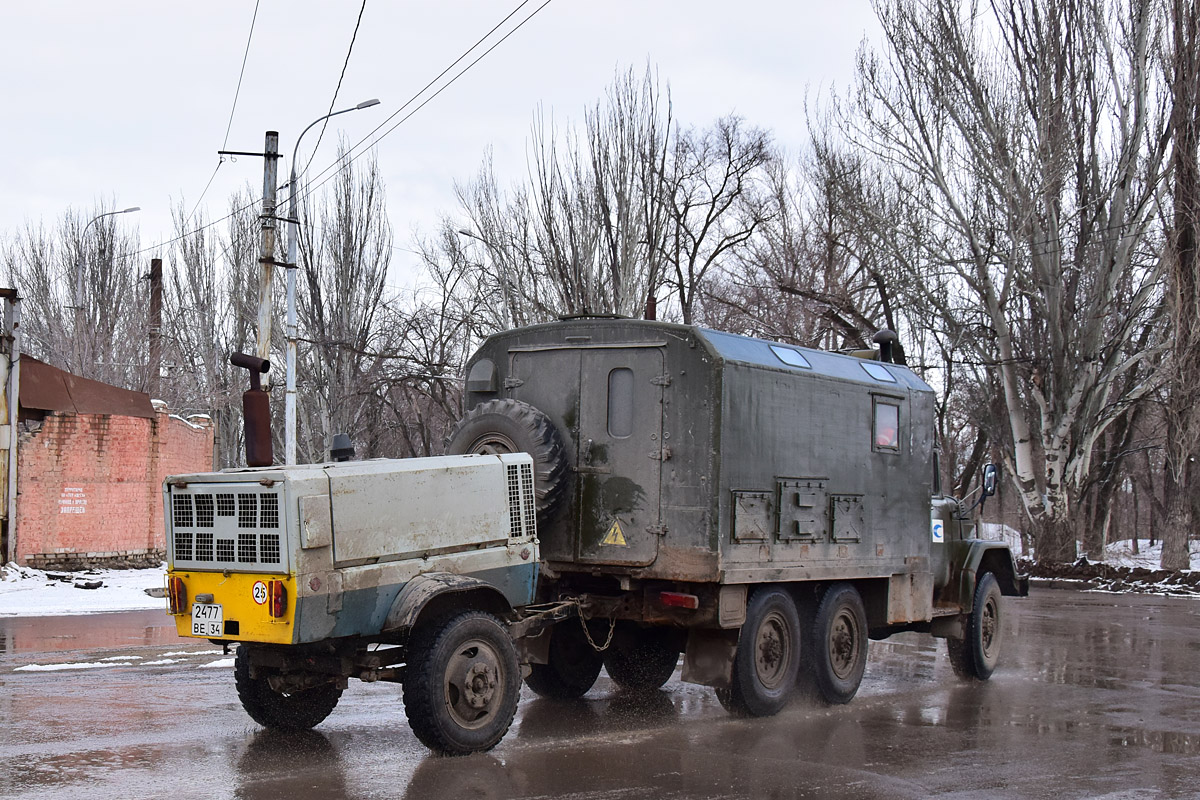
256, 411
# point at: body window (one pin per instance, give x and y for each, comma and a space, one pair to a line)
878, 372
887, 427
620, 403
790, 357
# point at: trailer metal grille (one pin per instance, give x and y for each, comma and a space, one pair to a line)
237, 526
521, 505
183, 511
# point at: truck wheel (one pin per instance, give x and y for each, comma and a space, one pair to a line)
837, 652
573, 665
510, 426
975, 657
461, 683
767, 658
642, 660
292, 711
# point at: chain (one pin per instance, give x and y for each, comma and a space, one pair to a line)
612, 626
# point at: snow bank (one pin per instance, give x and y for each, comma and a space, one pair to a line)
26, 592
1120, 554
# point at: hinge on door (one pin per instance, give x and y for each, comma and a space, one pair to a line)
661, 380
662, 455
657, 530
513, 383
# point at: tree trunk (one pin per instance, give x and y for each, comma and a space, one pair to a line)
1175, 552
1054, 539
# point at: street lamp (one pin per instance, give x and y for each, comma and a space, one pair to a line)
289, 416
504, 277
77, 300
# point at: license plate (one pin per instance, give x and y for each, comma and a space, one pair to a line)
207, 620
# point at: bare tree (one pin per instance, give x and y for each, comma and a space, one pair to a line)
1032, 135
210, 307
579, 238
716, 199
344, 266
102, 334
1182, 258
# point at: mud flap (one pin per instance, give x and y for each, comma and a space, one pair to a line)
708, 658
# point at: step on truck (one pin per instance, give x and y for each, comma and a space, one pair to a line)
618, 493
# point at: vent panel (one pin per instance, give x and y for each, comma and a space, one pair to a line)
240, 527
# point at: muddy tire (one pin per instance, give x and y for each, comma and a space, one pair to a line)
573, 664
641, 659
976, 656
768, 656
837, 645
510, 426
461, 683
292, 711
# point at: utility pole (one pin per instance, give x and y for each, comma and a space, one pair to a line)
155, 327
267, 260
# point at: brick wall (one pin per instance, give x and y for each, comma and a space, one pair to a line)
89, 486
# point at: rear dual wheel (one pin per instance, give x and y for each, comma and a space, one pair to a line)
836, 656
641, 659
572, 664
767, 657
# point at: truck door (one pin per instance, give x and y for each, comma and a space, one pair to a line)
620, 455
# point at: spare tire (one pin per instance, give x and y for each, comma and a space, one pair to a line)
510, 426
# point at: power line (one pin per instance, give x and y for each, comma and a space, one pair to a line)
241, 74
345, 64
339, 165
229, 126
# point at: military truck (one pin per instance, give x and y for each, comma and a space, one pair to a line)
759, 507
618, 492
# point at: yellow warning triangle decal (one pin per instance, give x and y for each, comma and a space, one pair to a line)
615, 536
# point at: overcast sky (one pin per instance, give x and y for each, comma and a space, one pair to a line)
126, 103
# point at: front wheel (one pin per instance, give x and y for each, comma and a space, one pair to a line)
975, 657
837, 652
281, 710
461, 683
767, 657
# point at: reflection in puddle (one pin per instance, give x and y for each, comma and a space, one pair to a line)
1166, 742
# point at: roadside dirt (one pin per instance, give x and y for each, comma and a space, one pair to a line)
1085, 574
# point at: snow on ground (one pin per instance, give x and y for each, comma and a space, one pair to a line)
1120, 554
26, 592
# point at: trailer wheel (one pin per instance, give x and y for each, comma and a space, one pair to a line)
837, 652
510, 426
975, 657
461, 683
573, 665
767, 658
642, 659
291, 711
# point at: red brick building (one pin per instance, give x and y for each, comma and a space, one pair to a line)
91, 459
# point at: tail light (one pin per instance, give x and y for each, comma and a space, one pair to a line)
278, 598
679, 600
177, 595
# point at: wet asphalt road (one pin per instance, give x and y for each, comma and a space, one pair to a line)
1097, 696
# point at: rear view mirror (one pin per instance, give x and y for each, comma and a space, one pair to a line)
989, 480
